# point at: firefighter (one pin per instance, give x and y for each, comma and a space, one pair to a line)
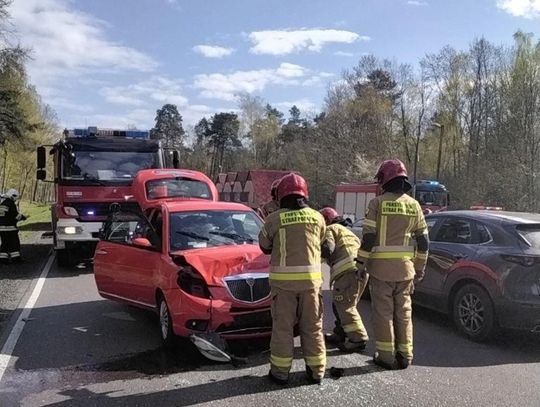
293, 236
340, 249
272, 205
392, 221
10, 248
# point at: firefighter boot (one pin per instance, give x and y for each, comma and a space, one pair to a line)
349, 346
384, 363
402, 361
278, 380
311, 378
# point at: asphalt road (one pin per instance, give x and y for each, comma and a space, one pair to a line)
79, 350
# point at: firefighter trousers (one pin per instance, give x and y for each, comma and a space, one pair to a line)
392, 318
346, 292
304, 308
11, 245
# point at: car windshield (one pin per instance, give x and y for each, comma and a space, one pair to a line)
432, 198
200, 229
177, 188
531, 234
92, 166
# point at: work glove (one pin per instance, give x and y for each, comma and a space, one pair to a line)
419, 276
361, 269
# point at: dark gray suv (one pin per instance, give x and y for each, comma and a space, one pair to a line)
484, 270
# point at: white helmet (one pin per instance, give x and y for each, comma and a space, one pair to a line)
12, 194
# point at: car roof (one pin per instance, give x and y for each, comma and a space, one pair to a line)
486, 215
204, 205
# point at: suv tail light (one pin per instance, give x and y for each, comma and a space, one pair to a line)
527, 261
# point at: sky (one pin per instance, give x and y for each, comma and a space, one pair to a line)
113, 63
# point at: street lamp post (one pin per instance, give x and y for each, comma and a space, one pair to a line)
441, 135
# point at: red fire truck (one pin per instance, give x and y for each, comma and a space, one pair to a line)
94, 168
352, 199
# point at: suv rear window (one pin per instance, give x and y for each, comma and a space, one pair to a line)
531, 234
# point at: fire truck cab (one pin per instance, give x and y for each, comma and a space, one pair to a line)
94, 168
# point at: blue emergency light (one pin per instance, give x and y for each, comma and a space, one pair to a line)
95, 132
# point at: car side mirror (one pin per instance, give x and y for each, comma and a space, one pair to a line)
41, 157
41, 175
141, 242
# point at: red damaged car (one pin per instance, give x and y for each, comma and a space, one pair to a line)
193, 260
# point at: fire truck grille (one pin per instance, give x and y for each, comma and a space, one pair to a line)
248, 288
98, 211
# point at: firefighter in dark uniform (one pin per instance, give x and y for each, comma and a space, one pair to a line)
393, 221
10, 248
293, 236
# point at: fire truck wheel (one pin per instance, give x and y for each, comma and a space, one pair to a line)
64, 258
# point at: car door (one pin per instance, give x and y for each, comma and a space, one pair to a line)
453, 240
126, 269
111, 254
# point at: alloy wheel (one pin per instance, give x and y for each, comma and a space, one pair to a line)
164, 320
471, 313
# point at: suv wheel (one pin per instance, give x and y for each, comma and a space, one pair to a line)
473, 313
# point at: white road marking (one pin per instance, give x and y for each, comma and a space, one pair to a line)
9, 346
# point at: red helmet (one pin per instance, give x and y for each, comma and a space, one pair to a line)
292, 184
329, 214
273, 188
389, 170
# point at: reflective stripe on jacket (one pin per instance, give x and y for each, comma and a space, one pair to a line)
396, 220
294, 238
345, 246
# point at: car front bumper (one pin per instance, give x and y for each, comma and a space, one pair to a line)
192, 315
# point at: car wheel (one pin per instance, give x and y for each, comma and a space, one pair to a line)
165, 323
473, 313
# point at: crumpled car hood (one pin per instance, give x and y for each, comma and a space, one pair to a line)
218, 262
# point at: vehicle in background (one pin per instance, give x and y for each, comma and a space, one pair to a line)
93, 168
486, 208
251, 188
194, 261
432, 196
353, 199
483, 270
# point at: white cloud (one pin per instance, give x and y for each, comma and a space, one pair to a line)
156, 89
520, 8
282, 42
227, 86
69, 42
213, 51
417, 3
305, 105
343, 54
287, 70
